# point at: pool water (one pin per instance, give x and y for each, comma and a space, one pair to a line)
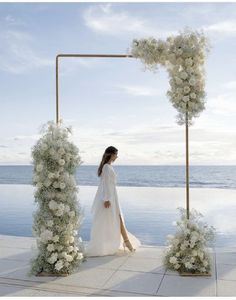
149, 212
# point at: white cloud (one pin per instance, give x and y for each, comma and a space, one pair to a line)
231, 85
13, 21
222, 104
137, 90
102, 18
227, 27
72, 65
17, 55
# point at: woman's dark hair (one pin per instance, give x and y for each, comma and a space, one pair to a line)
106, 157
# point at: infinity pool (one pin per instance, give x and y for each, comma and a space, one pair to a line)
149, 211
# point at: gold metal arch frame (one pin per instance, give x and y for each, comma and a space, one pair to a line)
124, 56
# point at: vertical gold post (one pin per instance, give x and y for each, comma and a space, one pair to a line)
57, 94
187, 164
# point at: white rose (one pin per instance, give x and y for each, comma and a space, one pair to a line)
50, 247
173, 260
183, 75
44, 147
61, 162
61, 151
193, 96
62, 185
205, 263
55, 184
178, 80
186, 89
177, 266
56, 238
47, 183
52, 152
72, 214
59, 213
39, 185
188, 265
70, 248
46, 235
72, 239
192, 81
67, 208
188, 61
79, 255
50, 223
185, 98
39, 167
50, 175
53, 205
69, 258
53, 258
59, 265
61, 206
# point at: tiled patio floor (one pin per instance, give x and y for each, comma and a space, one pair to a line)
127, 274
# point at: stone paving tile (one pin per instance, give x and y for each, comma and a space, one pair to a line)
226, 288
226, 258
7, 266
134, 282
177, 286
226, 272
143, 265
105, 262
126, 274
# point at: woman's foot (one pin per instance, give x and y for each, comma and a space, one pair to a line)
128, 245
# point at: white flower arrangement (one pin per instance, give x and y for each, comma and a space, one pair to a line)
187, 250
183, 56
58, 217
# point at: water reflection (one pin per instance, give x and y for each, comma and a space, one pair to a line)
149, 212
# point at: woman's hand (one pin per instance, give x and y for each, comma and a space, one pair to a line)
107, 204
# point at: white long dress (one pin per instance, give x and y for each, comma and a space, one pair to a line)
105, 236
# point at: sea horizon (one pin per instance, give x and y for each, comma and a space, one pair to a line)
201, 176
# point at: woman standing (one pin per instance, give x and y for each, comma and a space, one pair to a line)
108, 232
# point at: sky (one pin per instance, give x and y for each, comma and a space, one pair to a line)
113, 101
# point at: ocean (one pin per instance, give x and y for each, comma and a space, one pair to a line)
223, 177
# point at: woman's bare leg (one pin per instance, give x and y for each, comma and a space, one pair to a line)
122, 230
125, 236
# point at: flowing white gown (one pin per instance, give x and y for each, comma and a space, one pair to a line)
105, 236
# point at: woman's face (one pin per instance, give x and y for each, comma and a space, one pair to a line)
114, 156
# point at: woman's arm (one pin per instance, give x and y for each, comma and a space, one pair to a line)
106, 186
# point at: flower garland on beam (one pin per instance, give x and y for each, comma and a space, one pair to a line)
58, 216
183, 56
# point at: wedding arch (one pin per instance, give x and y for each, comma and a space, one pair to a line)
54, 171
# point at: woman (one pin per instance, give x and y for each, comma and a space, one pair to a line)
108, 232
